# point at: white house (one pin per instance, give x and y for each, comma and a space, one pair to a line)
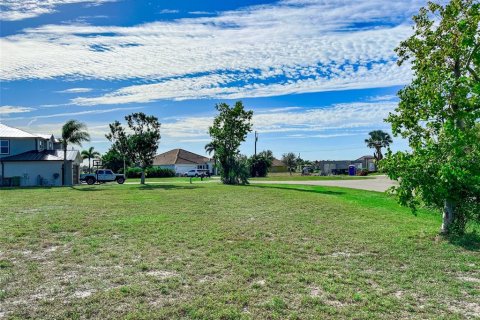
181, 161
35, 159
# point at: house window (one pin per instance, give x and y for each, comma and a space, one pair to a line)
4, 146
41, 145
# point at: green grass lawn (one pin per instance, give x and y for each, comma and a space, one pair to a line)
169, 180
299, 177
208, 251
270, 177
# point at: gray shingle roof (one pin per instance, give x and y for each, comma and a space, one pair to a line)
47, 155
10, 132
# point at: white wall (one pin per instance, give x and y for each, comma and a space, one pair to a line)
29, 171
182, 168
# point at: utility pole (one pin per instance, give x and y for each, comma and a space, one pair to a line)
256, 139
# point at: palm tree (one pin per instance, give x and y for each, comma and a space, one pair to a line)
378, 140
73, 132
90, 154
210, 148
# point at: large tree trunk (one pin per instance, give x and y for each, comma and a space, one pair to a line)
64, 169
379, 154
89, 167
142, 179
125, 173
448, 216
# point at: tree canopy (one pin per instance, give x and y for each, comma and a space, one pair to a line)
439, 113
377, 140
89, 154
290, 160
230, 128
260, 163
139, 146
73, 132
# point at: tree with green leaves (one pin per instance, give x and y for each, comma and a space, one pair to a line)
438, 113
141, 145
260, 164
290, 160
73, 132
118, 137
210, 148
114, 160
377, 140
90, 154
230, 128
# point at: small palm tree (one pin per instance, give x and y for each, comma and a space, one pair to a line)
211, 148
90, 154
73, 132
378, 139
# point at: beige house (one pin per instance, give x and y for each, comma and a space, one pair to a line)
181, 161
278, 166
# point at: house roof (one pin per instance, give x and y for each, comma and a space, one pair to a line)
10, 132
46, 155
45, 136
179, 156
277, 163
366, 157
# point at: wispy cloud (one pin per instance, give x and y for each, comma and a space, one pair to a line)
201, 12
389, 97
79, 113
12, 10
288, 47
168, 11
336, 120
76, 90
6, 110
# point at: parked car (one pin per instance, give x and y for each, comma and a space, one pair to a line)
197, 173
102, 175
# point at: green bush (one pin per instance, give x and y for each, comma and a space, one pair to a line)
154, 172
151, 172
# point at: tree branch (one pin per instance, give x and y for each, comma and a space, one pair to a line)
469, 60
474, 74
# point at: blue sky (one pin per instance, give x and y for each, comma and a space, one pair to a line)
319, 75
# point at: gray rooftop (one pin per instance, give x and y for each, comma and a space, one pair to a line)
10, 132
46, 155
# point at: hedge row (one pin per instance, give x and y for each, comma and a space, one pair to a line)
151, 172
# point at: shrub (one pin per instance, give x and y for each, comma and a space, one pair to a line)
154, 172
362, 172
151, 172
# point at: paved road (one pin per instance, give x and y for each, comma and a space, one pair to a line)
379, 183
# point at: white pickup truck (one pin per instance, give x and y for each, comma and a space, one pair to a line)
102, 175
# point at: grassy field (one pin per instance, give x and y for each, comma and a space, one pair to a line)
270, 177
207, 251
299, 177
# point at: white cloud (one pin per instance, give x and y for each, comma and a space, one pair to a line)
76, 90
78, 113
12, 10
333, 121
6, 110
288, 47
168, 11
201, 12
388, 97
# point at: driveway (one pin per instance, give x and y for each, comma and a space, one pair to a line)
379, 183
